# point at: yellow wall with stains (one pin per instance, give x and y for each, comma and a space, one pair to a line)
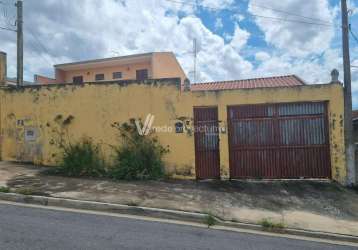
96, 106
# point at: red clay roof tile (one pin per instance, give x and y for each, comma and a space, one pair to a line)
266, 82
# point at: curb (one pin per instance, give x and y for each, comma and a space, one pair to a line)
164, 214
103, 207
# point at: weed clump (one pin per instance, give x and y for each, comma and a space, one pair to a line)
138, 157
209, 220
270, 225
4, 190
82, 158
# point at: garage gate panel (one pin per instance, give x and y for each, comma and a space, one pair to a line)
287, 140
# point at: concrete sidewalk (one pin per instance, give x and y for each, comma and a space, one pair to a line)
309, 205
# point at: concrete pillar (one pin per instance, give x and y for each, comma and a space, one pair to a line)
3, 68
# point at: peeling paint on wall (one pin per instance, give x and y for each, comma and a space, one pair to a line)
94, 107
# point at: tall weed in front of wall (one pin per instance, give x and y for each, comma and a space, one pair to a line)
138, 157
82, 158
77, 158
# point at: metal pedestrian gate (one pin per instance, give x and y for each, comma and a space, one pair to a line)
206, 137
288, 140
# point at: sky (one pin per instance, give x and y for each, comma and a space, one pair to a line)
236, 39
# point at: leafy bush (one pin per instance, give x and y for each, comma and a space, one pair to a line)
209, 220
268, 224
139, 157
4, 189
82, 158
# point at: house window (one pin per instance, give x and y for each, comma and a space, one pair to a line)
99, 77
117, 75
77, 79
142, 74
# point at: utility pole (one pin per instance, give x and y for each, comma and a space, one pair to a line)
20, 44
348, 128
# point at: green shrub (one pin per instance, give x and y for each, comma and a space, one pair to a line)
30, 191
209, 220
82, 158
268, 224
25, 191
4, 189
132, 204
139, 157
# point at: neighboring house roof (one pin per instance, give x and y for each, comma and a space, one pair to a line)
112, 61
43, 79
13, 81
266, 82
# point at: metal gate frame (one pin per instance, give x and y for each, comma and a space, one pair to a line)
207, 161
276, 130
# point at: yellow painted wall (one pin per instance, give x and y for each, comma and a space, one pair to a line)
96, 106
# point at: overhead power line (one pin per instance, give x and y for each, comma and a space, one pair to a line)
39, 42
4, 28
7, 3
47, 61
195, 5
291, 20
291, 13
278, 19
41, 46
8, 19
353, 35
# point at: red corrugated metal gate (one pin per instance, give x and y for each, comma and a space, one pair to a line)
206, 137
287, 140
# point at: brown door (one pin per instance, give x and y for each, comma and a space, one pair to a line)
206, 136
279, 141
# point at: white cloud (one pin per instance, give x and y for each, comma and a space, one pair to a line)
239, 38
298, 39
219, 23
309, 51
216, 4
313, 70
216, 60
352, 7
97, 29
262, 56
238, 17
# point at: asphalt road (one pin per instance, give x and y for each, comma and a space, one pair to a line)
37, 228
